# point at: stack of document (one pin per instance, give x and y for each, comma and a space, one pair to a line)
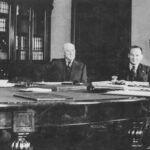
132, 83
36, 89
121, 85
48, 83
5, 83
62, 86
130, 93
107, 85
71, 88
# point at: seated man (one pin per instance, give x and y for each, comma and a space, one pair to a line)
69, 69
134, 70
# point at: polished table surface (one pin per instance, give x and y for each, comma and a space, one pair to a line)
7, 98
94, 109
84, 108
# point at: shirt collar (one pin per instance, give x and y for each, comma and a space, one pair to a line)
131, 66
70, 62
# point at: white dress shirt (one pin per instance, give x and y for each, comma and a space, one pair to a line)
133, 66
69, 63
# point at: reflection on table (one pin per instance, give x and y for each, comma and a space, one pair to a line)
27, 115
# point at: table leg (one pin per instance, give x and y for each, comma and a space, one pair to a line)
23, 124
136, 134
21, 143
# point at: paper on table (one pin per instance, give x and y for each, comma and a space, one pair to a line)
7, 85
40, 90
132, 88
130, 93
49, 83
107, 85
133, 83
71, 88
67, 83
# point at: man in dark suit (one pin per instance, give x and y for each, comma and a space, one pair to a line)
134, 70
69, 69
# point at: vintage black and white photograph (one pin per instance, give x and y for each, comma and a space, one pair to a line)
74, 74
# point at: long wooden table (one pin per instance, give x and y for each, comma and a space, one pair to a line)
23, 116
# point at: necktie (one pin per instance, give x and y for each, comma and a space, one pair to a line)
133, 73
134, 69
68, 66
68, 71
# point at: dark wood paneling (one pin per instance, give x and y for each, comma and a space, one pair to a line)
101, 31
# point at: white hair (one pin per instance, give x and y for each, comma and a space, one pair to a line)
69, 45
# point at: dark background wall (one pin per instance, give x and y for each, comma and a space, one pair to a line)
101, 30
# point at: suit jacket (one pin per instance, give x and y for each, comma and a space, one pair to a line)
142, 73
77, 71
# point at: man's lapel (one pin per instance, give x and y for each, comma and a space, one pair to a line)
127, 73
73, 69
64, 68
140, 72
